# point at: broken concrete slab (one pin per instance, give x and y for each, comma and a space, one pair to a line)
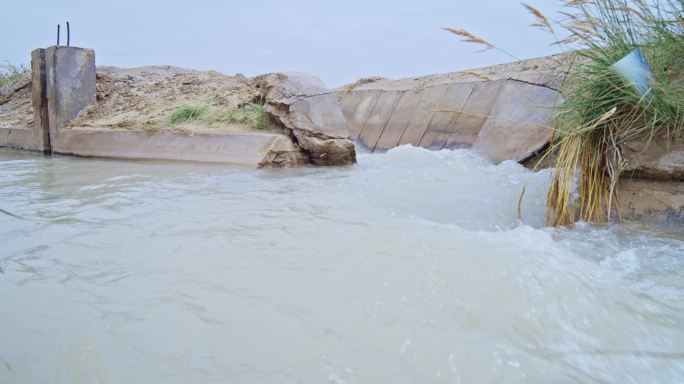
304, 105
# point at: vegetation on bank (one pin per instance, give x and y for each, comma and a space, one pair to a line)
10, 72
249, 114
187, 113
252, 115
603, 110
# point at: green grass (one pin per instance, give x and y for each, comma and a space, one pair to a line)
187, 113
250, 114
9, 72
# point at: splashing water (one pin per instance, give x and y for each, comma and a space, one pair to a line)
410, 267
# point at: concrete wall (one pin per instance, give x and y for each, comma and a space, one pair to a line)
244, 149
659, 203
18, 138
504, 119
503, 111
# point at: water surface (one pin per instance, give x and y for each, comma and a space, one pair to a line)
410, 267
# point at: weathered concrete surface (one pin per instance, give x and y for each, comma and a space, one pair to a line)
253, 150
503, 112
655, 158
306, 107
445, 122
475, 113
70, 85
378, 118
653, 202
651, 189
35, 108
41, 119
429, 100
17, 138
242, 149
518, 123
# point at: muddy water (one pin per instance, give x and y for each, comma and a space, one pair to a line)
410, 267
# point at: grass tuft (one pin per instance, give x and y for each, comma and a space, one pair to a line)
187, 113
249, 114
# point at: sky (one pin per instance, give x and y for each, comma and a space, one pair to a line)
338, 41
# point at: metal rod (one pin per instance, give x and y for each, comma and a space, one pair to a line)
58, 35
68, 34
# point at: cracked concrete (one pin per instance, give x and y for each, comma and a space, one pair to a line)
311, 113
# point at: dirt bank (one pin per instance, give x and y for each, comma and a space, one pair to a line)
145, 98
16, 110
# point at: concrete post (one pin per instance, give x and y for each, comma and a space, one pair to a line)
40, 135
70, 85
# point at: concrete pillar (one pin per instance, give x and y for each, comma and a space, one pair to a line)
40, 137
70, 85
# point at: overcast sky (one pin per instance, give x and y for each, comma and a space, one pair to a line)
339, 41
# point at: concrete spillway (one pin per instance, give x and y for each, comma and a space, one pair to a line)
503, 112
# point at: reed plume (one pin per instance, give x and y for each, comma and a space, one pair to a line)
542, 22
471, 38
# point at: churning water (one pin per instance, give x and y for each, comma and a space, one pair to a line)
410, 267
